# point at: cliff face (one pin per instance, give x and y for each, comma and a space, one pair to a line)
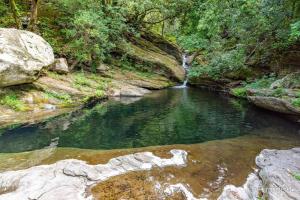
289, 61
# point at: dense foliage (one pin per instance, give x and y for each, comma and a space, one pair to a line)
235, 34
230, 35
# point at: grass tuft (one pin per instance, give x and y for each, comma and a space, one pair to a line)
11, 99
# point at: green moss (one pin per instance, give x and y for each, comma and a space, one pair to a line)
279, 92
296, 102
11, 99
66, 98
240, 92
99, 93
296, 176
81, 80
53, 75
264, 82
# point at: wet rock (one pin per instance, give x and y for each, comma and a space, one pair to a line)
275, 179
274, 104
60, 66
23, 54
71, 179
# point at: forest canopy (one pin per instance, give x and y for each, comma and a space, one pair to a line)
229, 35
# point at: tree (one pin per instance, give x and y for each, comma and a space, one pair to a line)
15, 13
34, 15
233, 35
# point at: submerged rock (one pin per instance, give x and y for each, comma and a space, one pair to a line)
275, 180
71, 179
22, 55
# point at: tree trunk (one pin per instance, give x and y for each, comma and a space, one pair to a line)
108, 2
34, 15
16, 14
163, 29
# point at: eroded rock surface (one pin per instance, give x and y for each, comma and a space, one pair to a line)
22, 55
71, 179
274, 104
275, 179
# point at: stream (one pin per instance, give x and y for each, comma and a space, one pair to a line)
222, 136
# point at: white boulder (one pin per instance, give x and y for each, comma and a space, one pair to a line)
22, 56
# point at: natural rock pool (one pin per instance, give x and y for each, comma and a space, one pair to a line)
222, 136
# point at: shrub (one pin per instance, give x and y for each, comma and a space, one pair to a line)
279, 92
12, 100
66, 98
296, 176
296, 102
81, 80
264, 82
239, 92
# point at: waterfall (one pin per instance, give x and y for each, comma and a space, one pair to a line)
185, 66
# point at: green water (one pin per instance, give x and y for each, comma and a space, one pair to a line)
173, 116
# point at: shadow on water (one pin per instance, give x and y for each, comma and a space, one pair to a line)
173, 116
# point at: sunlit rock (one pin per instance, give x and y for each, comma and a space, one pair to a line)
276, 178
22, 56
71, 179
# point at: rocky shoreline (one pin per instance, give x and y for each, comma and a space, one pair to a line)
277, 178
35, 86
71, 179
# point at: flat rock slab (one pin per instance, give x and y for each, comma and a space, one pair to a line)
72, 179
275, 179
274, 104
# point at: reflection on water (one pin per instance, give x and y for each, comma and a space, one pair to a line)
186, 116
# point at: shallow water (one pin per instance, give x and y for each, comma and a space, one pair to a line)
174, 116
222, 136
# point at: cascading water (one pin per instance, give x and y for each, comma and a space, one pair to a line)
186, 69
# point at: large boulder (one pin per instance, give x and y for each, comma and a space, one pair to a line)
22, 56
